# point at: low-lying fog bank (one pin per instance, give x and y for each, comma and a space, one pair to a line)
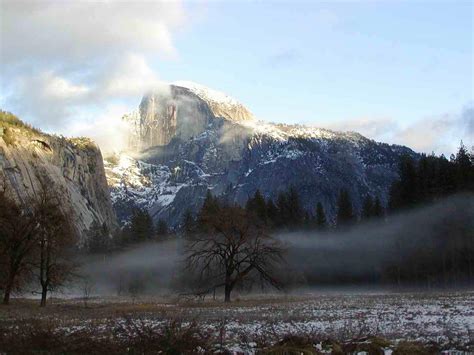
420, 249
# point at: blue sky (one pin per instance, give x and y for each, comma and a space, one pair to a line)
313, 61
398, 71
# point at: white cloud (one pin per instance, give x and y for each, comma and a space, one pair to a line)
130, 77
48, 97
68, 62
59, 88
440, 134
107, 129
376, 128
80, 30
428, 135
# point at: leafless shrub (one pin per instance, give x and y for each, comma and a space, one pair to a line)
87, 289
155, 336
135, 288
172, 337
48, 337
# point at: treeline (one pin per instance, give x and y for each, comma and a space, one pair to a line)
431, 178
444, 258
36, 242
286, 212
139, 229
422, 180
441, 256
448, 257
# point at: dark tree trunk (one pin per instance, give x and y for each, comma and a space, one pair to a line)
6, 295
44, 294
227, 291
8, 290
43, 274
399, 282
445, 272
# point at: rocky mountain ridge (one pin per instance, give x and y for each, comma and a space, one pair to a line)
221, 105
74, 166
214, 148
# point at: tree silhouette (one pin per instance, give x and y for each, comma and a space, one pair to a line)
321, 221
368, 208
257, 206
232, 248
345, 214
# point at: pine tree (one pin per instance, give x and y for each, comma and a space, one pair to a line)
283, 213
209, 209
188, 222
345, 214
404, 193
272, 212
408, 177
431, 178
141, 226
320, 216
464, 169
211, 204
368, 208
98, 238
378, 211
162, 228
295, 210
257, 206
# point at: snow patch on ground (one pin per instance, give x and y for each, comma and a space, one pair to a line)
444, 318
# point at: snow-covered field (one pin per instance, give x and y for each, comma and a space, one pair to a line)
444, 319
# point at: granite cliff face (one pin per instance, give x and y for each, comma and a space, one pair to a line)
74, 166
221, 105
222, 149
158, 119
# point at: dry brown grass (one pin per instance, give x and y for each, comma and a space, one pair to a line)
133, 336
265, 325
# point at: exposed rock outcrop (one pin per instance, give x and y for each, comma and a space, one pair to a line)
221, 105
200, 150
74, 166
167, 114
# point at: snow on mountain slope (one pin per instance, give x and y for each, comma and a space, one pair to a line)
206, 93
233, 158
135, 183
284, 132
222, 105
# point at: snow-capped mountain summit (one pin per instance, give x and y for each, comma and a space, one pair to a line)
188, 140
222, 105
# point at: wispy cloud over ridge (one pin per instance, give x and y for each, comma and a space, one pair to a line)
65, 61
440, 134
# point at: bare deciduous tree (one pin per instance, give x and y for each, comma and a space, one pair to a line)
87, 288
56, 240
230, 248
18, 239
36, 234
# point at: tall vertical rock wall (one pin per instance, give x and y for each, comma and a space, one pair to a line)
164, 115
74, 166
